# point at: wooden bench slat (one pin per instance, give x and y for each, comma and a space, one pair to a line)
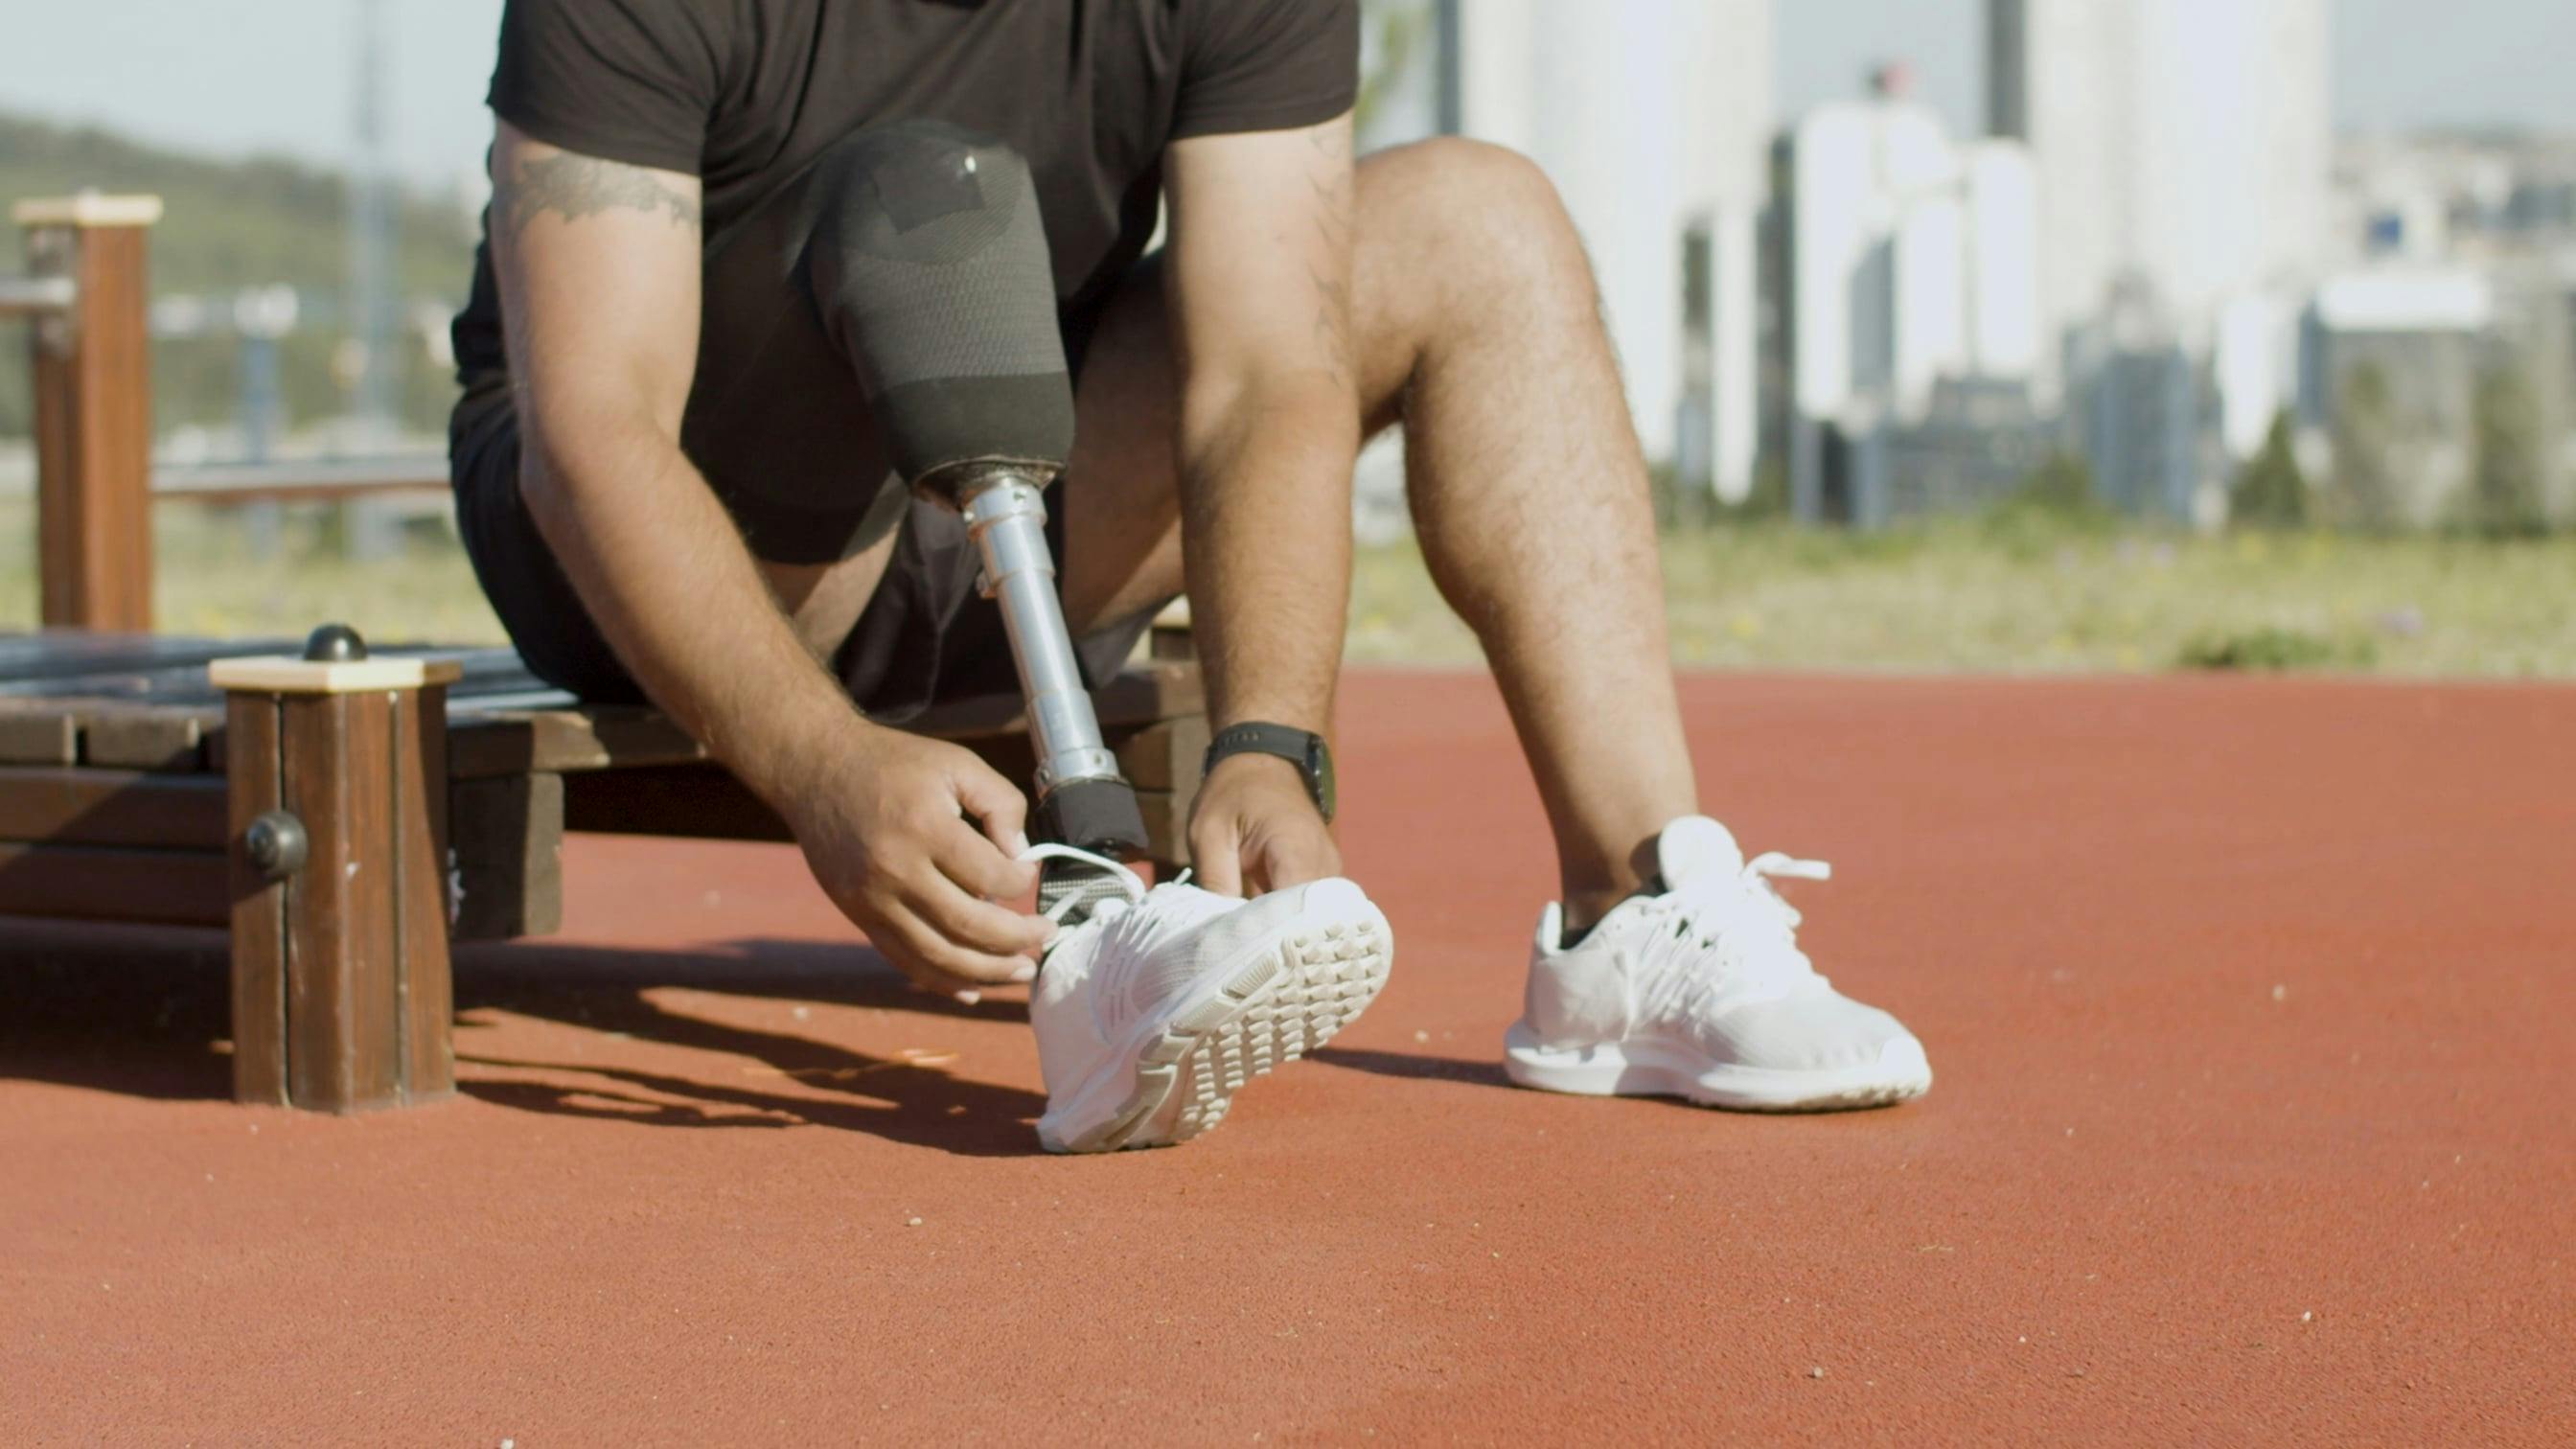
76, 806
1165, 756
38, 733
705, 802
1142, 694
506, 834
108, 883
481, 745
500, 742
116, 734
341, 944
256, 785
174, 740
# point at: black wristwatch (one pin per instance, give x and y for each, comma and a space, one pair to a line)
1308, 752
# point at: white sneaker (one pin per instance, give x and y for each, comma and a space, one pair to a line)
1152, 1013
1702, 993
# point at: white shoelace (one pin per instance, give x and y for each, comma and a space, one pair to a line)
1128, 881
1737, 919
1123, 933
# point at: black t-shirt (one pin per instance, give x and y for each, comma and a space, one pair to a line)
744, 94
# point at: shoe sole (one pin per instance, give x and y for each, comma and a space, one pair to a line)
1614, 1069
1288, 1001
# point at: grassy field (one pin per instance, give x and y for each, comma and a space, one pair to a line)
2025, 595
1974, 596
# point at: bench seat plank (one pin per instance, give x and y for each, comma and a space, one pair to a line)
39, 732
111, 883
69, 805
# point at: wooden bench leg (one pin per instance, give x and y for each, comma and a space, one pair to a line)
341, 995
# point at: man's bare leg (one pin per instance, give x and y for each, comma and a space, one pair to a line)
1528, 489
1480, 330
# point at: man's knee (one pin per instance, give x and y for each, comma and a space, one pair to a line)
1470, 175
1475, 215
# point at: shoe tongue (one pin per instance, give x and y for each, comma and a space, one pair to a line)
1694, 847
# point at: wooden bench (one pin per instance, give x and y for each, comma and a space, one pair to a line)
347, 822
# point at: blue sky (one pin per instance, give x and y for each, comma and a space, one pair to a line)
236, 75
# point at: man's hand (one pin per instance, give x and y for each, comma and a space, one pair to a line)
885, 829
1256, 830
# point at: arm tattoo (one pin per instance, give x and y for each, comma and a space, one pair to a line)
573, 187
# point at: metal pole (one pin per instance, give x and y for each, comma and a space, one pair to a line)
371, 281
1449, 38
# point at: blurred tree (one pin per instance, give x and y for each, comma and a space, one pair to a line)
2064, 486
231, 225
2365, 444
1767, 499
2271, 492
2506, 487
2057, 501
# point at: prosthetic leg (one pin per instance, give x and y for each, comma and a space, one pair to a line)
933, 268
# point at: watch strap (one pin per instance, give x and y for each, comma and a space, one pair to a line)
1302, 748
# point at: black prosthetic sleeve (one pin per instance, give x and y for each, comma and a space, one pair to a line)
929, 262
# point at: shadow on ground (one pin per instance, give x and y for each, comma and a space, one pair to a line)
144, 1012
1413, 1068
138, 1010
614, 992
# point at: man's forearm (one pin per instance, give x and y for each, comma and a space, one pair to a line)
666, 576
1266, 519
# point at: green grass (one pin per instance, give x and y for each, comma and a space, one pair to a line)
211, 579
2026, 596
2010, 594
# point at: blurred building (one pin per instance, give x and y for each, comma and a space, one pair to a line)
1652, 118
2185, 144
2446, 197
1908, 266
1978, 442
2144, 408
2184, 151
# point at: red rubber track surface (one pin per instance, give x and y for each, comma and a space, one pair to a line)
2250, 1004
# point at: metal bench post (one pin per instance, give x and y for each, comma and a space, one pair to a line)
338, 770
93, 366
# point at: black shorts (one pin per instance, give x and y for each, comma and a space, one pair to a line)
778, 426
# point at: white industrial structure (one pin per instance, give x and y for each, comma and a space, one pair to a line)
2184, 148
1653, 118
1912, 262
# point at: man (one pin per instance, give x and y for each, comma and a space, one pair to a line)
669, 487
